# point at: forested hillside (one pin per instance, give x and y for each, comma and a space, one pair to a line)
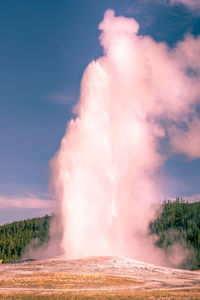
176, 222
179, 222
16, 236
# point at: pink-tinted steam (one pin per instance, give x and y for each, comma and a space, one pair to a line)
107, 172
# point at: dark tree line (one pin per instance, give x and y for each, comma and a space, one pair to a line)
176, 222
179, 222
16, 236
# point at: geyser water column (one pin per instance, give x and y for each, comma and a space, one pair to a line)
105, 172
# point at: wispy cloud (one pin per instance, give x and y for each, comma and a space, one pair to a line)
193, 4
194, 198
60, 98
69, 96
190, 199
136, 10
28, 201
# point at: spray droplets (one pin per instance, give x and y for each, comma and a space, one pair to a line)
106, 170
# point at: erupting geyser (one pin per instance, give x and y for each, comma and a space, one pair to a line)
106, 170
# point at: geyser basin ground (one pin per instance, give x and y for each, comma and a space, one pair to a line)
96, 277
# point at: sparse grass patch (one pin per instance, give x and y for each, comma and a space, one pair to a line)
185, 294
65, 281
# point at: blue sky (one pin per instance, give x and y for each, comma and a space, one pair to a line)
45, 47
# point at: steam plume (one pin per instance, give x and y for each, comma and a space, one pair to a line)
107, 172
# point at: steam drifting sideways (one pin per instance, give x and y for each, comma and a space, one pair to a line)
139, 96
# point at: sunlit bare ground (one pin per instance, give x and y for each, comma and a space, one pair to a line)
96, 277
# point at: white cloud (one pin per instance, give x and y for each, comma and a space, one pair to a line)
28, 201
